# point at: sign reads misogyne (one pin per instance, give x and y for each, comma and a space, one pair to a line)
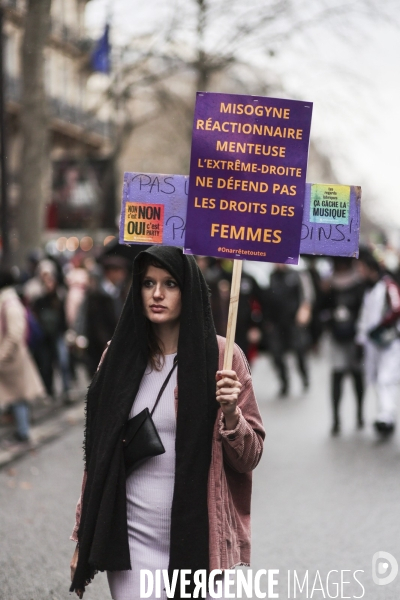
247, 177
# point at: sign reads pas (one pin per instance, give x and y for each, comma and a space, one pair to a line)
247, 177
154, 207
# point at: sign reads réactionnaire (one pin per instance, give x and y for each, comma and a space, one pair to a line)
247, 177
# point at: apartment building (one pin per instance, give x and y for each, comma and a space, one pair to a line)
80, 136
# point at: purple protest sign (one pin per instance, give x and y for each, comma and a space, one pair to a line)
247, 177
331, 222
153, 209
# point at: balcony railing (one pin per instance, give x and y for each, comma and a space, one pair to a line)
70, 36
76, 116
59, 109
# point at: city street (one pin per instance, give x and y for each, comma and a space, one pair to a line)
162, 162
319, 503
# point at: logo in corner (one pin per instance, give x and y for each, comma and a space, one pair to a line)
381, 573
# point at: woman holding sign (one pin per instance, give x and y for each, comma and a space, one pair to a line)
188, 507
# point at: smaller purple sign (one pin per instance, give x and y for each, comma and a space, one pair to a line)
331, 222
247, 177
153, 209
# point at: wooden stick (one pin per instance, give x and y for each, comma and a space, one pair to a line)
233, 310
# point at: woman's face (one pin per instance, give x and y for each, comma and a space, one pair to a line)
161, 296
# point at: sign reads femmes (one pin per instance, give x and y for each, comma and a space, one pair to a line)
247, 177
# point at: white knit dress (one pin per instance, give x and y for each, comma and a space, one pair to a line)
149, 489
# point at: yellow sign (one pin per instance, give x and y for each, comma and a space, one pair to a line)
144, 223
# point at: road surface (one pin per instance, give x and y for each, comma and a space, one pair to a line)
320, 504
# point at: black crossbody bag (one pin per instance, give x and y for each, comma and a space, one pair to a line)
140, 437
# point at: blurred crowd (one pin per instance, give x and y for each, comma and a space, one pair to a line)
356, 303
57, 316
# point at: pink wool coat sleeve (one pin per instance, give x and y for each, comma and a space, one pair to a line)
235, 454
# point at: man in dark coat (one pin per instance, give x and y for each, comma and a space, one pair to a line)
102, 308
284, 302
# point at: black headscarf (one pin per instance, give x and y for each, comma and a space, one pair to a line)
103, 534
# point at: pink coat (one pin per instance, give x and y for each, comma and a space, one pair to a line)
234, 455
19, 377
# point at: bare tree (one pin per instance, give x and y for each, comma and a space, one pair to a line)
213, 45
35, 159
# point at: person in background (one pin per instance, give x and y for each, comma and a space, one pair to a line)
102, 306
29, 270
316, 326
219, 286
249, 318
343, 301
378, 333
35, 286
77, 280
50, 313
288, 303
249, 331
20, 381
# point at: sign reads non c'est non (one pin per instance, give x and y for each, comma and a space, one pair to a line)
247, 177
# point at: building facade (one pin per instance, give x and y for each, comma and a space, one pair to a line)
80, 140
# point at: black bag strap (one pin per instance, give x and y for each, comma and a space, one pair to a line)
164, 385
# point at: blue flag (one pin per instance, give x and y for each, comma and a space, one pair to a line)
101, 56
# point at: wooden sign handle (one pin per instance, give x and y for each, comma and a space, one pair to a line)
232, 316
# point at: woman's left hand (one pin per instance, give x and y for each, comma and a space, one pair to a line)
228, 390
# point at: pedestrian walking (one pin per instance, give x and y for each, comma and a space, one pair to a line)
288, 305
77, 280
49, 309
101, 308
316, 325
188, 508
249, 318
34, 287
20, 381
344, 301
378, 332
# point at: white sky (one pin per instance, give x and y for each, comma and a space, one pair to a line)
353, 79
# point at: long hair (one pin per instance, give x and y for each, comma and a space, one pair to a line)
154, 344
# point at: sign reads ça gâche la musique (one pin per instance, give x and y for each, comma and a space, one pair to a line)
247, 177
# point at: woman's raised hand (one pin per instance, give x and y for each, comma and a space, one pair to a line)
228, 390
